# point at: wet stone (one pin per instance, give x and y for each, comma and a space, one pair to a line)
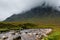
28, 34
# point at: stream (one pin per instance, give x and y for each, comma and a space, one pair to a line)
27, 34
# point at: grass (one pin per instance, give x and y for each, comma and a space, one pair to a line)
53, 36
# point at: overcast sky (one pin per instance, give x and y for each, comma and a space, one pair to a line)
10, 7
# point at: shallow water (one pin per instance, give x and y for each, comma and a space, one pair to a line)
28, 34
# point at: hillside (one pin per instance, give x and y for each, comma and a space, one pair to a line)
37, 12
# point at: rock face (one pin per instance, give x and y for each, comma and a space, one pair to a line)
29, 34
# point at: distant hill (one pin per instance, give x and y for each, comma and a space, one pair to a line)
37, 12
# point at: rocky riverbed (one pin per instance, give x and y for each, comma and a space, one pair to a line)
27, 34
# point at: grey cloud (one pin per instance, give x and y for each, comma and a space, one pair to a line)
9, 7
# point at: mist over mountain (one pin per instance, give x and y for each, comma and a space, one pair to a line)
10, 7
37, 12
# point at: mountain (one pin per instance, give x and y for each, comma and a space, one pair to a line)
37, 12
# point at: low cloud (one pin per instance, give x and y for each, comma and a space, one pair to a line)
10, 7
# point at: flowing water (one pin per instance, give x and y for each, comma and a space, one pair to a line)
28, 34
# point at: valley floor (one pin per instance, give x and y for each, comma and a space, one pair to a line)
53, 23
